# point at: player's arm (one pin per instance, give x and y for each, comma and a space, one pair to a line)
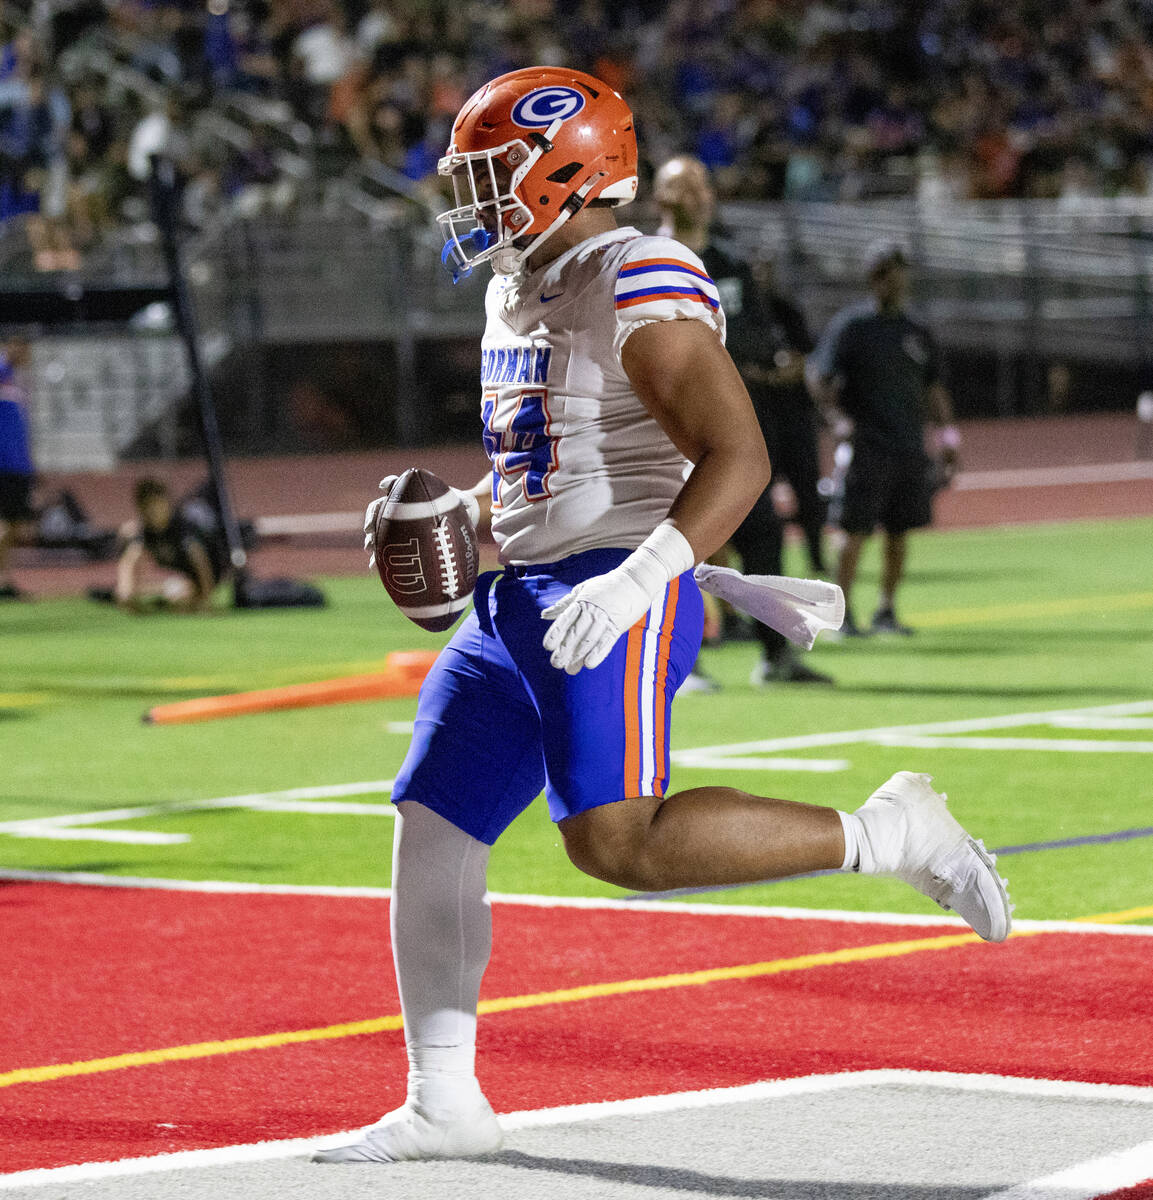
940, 404
946, 436
482, 492
939, 409
204, 581
825, 378
788, 366
127, 572
824, 390
684, 376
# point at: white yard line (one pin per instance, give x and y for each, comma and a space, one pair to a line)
1069, 745
741, 754
766, 1090
310, 800
759, 755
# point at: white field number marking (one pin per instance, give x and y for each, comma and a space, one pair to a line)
743, 756
941, 735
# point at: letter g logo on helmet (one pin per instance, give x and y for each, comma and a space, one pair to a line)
546, 105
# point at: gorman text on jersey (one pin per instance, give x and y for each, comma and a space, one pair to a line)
515, 364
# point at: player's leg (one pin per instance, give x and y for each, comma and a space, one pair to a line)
893, 557
759, 540
707, 836
605, 734
847, 563
909, 506
893, 563
7, 540
794, 455
803, 471
606, 738
866, 485
475, 762
712, 836
16, 527
441, 938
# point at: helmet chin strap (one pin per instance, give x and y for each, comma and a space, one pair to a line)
516, 258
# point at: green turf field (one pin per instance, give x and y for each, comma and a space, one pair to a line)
1038, 620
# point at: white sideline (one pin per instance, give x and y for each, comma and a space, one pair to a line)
638, 1106
1087, 1180
842, 916
1027, 477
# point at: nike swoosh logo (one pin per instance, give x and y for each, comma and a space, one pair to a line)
545, 299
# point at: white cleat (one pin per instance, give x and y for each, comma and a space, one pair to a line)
910, 833
407, 1134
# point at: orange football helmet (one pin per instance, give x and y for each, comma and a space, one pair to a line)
528, 151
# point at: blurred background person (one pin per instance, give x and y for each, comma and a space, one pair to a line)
876, 372
184, 539
759, 339
789, 417
17, 474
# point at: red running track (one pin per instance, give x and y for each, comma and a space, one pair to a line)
94, 972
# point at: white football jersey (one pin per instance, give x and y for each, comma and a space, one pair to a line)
578, 462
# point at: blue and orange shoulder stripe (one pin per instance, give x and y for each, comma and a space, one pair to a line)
664, 277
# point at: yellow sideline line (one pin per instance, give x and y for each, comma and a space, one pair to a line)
594, 991
1118, 918
23, 699
1027, 610
146, 1058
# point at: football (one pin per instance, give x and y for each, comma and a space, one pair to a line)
426, 550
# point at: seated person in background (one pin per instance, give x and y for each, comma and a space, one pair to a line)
185, 539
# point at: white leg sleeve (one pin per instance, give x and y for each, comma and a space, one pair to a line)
441, 940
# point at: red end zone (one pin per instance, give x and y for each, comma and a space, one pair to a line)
97, 972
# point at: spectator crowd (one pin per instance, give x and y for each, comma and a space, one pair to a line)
781, 99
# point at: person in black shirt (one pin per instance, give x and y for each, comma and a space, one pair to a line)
766, 338
790, 420
184, 539
877, 373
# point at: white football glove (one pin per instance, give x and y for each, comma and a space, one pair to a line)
588, 621
470, 502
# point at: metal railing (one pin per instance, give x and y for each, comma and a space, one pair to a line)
1028, 283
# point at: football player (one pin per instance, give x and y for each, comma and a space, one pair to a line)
624, 451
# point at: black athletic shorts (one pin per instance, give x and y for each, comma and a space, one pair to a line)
892, 491
15, 497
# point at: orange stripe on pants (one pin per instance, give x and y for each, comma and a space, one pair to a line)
632, 780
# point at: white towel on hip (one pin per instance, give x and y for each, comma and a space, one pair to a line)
797, 608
